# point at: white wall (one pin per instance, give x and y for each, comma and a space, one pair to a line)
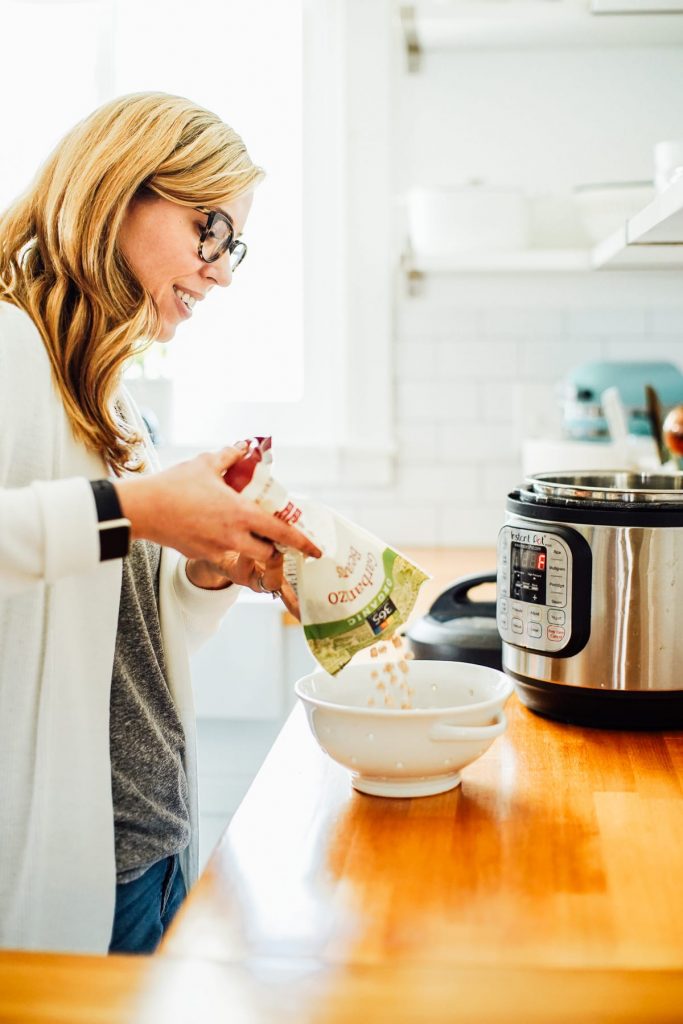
477, 358
536, 118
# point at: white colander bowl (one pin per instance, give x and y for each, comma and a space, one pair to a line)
456, 715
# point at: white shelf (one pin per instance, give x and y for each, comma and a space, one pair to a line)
661, 221
650, 240
530, 24
614, 253
636, 7
515, 261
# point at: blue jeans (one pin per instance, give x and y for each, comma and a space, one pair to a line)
146, 907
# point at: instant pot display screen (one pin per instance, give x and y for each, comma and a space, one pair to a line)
529, 565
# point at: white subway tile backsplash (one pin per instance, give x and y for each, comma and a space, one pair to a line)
418, 318
470, 525
498, 400
416, 439
539, 409
416, 360
654, 349
474, 441
523, 323
425, 400
400, 523
482, 357
479, 368
498, 479
436, 480
551, 361
629, 322
666, 321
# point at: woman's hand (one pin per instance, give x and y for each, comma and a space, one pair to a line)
189, 507
244, 572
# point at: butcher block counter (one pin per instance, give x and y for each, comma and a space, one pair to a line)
548, 887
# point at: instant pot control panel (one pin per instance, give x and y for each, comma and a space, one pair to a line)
543, 588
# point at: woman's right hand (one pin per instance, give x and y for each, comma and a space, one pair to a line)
189, 507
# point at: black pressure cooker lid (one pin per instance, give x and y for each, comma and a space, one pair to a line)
457, 628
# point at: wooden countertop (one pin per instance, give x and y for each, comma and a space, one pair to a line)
547, 887
560, 849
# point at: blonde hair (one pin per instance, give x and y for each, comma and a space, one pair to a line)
59, 257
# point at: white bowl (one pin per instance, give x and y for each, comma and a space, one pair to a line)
467, 218
456, 715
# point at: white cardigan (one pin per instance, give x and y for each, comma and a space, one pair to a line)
58, 618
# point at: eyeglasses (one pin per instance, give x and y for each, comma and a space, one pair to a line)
217, 237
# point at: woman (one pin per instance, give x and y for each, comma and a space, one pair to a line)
134, 218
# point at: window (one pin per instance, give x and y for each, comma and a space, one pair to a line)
298, 346
243, 348
47, 87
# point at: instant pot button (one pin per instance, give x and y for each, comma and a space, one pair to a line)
556, 617
534, 629
503, 621
555, 633
518, 626
503, 607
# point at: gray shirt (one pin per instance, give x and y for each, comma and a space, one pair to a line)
147, 744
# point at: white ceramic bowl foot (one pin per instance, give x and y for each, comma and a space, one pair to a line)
406, 787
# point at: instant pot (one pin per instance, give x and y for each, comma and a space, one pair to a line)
589, 599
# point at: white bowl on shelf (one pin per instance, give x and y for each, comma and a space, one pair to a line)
446, 221
457, 713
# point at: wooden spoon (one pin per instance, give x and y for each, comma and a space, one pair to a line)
654, 412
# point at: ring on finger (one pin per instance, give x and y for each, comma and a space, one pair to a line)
263, 588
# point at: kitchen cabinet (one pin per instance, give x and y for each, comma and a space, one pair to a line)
243, 680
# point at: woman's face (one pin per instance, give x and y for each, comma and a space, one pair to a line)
159, 239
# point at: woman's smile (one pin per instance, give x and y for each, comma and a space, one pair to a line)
184, 301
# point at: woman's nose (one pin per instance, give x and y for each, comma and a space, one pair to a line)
220, 271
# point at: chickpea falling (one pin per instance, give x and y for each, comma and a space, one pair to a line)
395, 663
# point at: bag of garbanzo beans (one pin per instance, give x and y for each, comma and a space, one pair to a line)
359, 592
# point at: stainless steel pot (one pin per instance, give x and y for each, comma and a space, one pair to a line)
590, 597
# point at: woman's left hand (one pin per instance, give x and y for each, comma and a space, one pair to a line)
262, 577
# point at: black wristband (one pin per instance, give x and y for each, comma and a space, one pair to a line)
113, 526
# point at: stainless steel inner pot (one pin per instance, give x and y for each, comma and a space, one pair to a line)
607, 485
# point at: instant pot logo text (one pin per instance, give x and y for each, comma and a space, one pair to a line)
527, 537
